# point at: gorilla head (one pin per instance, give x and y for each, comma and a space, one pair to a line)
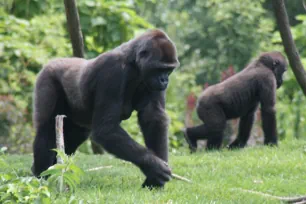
156, 59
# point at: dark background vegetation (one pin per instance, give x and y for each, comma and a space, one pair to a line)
214, 38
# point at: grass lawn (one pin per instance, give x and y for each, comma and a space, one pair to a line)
216, 176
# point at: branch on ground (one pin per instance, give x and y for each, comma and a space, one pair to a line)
296, 200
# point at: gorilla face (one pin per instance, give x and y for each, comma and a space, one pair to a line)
159, 80
276, 62
279, 70
156, 62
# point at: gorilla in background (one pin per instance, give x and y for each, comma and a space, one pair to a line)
97, 94
239, 97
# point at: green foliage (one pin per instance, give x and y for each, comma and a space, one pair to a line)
33, 32
21, 189
24, 46
106, 24
214, 34
17, 187
63, 174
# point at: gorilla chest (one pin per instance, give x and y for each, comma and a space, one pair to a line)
126, 110
137, 102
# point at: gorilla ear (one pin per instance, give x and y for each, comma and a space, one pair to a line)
268, 61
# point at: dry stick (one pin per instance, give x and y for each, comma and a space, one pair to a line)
175, 176
178, 177
59, 124
300, 199
99, 168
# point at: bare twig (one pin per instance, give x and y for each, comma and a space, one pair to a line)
60, 135
296, 200
178, 177
60, 145
175, 176
99, 168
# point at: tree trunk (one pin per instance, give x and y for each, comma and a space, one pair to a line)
74, 28
289, 45
76, 37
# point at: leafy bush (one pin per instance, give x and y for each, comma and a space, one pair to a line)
21, 189
60, 175
15, 187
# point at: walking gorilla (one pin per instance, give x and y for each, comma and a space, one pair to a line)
239, 97
97, 94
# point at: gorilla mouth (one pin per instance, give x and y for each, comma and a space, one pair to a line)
156, 88
278, 84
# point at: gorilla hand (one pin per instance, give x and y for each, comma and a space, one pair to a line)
156, 170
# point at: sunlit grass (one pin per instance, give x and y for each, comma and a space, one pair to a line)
278, 171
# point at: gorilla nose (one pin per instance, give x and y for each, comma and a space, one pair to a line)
163, 80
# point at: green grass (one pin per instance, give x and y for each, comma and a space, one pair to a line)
278, 171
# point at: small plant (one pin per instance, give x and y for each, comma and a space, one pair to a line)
60, 175
18, 189
27, 189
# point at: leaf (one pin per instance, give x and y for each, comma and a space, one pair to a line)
71, 183
52, 171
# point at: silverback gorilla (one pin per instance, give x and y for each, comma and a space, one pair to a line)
97, 94
239, 97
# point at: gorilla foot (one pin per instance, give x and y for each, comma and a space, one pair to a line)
271, 143
191, 142
35, 172
236, 145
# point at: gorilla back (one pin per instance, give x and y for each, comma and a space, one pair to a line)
97, 94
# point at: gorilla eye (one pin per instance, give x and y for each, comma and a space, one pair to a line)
168, 71
276, 62
144, 53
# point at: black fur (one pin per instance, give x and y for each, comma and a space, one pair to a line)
97, 94
239, 97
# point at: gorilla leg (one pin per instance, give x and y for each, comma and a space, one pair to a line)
192, 134
47, 105
44, 141
214, 124
74, 136
215, 140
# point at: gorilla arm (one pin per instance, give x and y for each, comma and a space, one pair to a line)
154, 125
267, 101
108, 133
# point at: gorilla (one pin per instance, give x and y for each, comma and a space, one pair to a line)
97, 94
239, 97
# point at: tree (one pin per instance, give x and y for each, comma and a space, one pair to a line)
289, 45
73, 22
